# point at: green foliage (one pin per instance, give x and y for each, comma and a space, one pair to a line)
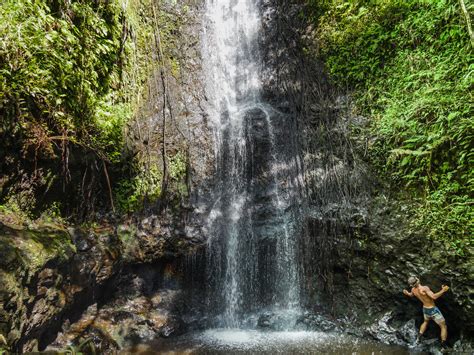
177, 166
73, 73
58, 61
131, 194
410, 66
177, 170
52, 213
449, 215
22, 198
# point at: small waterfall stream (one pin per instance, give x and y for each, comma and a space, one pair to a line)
252, 249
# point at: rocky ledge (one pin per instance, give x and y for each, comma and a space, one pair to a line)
50, 274
143, 310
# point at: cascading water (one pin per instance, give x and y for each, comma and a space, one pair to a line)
252, 262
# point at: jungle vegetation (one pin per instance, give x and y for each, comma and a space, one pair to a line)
409, 67
72, 76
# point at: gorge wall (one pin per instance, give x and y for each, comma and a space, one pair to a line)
151, 275
358, 248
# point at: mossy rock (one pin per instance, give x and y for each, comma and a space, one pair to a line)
26, 248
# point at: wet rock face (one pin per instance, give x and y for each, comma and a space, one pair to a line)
362, 259
357, 249
144, 309
363, 265
316, 321
167, 235
50, 281
55, 274
178, 85
374, 263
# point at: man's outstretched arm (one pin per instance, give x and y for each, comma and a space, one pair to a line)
438, 294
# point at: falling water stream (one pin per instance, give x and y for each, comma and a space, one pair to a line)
252, 267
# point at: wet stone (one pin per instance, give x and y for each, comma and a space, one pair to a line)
83, 245
409, 332
317, 322
174, 326
266, 320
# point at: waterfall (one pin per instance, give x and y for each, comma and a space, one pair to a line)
253, 229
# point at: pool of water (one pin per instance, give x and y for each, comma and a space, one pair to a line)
238, 341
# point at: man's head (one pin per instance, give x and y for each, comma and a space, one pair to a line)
413, 281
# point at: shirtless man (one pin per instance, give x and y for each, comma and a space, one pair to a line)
430, 311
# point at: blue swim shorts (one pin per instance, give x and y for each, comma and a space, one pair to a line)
433, 313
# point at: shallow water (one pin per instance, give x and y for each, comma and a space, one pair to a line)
237, 341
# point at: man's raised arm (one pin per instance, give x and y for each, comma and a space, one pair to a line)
438, 294
406, 293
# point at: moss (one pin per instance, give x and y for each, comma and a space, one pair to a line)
23, 248
37, 247
127, 233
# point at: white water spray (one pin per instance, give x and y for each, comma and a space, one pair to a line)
252, 265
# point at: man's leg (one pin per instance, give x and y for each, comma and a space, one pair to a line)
444, 331
439, 319
423, 327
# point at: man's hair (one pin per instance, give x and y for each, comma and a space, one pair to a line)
413, 281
